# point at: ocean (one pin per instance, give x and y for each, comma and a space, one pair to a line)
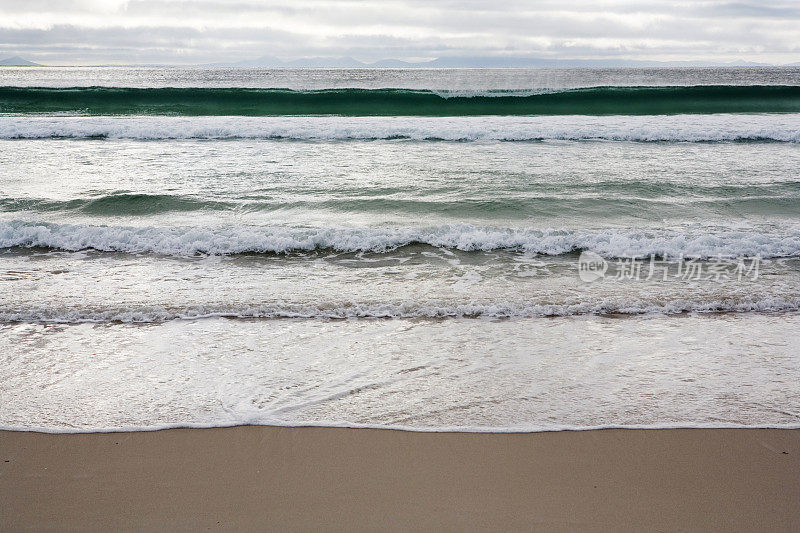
454, 249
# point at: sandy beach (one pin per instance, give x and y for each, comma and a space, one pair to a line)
343, 479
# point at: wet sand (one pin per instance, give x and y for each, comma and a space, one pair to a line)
345, 479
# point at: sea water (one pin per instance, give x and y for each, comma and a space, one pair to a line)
497, 250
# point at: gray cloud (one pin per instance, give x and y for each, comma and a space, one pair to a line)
190, 31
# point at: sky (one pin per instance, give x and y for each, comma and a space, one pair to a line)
200, 31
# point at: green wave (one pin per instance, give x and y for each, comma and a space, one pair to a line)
389, 102
598, 200
115, 204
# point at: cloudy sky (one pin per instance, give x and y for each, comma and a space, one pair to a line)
197, 31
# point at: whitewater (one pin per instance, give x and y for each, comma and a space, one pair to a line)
666, 128
286, 240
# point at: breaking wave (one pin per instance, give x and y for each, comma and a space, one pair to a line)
390, 102
187, 241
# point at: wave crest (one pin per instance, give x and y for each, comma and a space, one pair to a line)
186, 241
391, 102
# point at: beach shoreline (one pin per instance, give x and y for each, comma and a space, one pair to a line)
287, 478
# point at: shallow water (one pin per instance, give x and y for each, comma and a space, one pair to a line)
467, 374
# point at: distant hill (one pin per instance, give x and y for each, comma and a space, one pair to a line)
529, 62
17, 61
308, 62
474, 62
442, 62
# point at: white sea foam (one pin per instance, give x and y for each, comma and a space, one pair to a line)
267, 421
689, 128
429, 310
186, 241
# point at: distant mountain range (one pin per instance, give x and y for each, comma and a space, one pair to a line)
442, 62
477, 62
17, 61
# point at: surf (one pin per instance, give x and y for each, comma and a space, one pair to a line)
191, 241
739, 127
666, 100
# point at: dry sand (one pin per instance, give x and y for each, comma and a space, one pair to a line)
345, 479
